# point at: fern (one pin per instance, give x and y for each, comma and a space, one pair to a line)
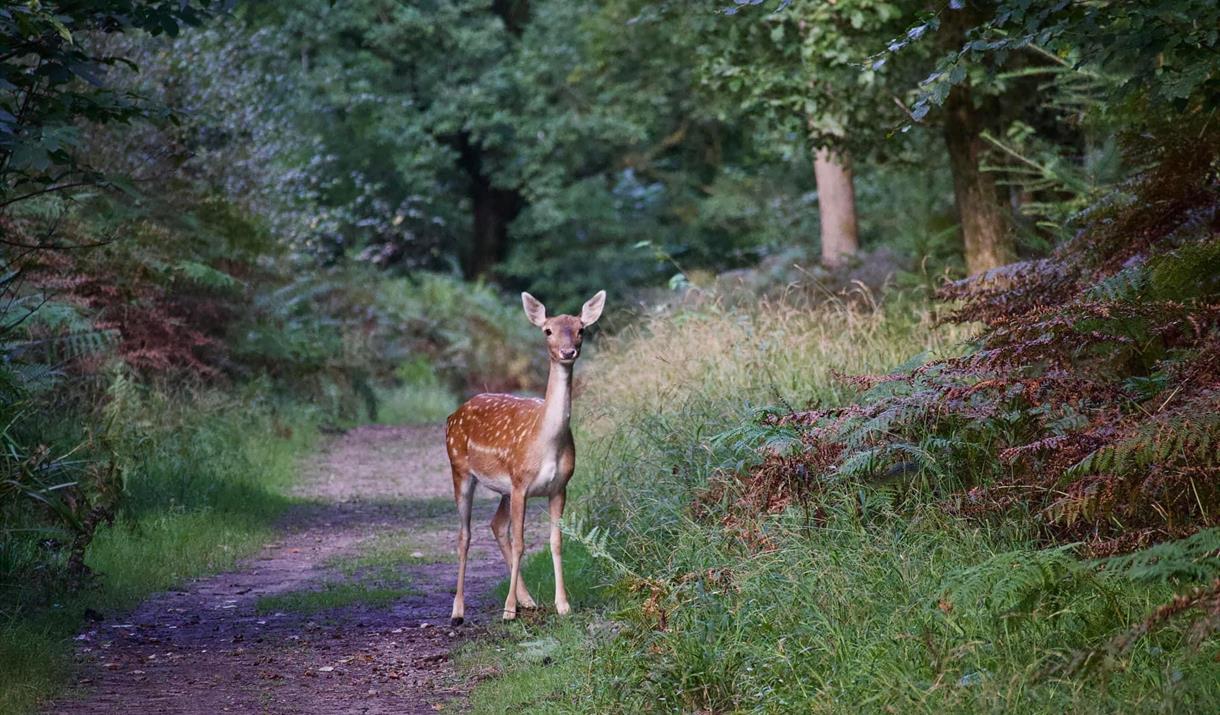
206, 276
1015, 583
860, 464
1188, 271
1128, 284
596, 541
1195, 558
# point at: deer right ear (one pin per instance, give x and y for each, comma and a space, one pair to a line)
534, 309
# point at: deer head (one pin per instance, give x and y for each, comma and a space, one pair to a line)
564, 333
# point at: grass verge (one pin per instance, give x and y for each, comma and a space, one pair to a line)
865, 599
205, 477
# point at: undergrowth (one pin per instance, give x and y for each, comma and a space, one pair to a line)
856, 597
203, 475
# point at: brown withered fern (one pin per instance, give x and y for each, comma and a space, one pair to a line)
1091, 397
1089, 401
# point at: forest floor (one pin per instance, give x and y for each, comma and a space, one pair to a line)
347, 612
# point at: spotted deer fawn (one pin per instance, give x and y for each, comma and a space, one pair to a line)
520, 447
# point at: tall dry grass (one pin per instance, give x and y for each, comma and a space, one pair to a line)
739, 355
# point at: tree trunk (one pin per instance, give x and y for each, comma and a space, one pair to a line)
836, 207
514, 13
492, 209
986, 228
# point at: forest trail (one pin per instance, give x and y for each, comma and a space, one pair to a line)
376, 499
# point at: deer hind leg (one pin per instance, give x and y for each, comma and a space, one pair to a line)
499, 527
463, 493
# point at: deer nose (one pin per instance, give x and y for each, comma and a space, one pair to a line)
568, 353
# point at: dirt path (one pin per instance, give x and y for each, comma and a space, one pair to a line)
238, 642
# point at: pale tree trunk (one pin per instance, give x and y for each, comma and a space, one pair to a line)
836, 207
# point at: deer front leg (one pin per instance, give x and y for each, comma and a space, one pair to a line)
516, 522
561, 595
464, 497
499, 527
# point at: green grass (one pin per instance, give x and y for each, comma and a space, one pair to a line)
530, 676
415, 404
392, 550
203, 489
336, 594
373, 576
874, 601
523, 681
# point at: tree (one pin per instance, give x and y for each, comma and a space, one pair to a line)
625, 159
836, 206
53, 80
798, 69
851, 94
407, 101
1156, 57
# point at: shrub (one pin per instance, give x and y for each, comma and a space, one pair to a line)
1090, 398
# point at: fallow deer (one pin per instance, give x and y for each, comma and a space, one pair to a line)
520, 447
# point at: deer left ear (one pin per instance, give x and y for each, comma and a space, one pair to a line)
592, 309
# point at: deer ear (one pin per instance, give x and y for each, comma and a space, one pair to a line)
534, 309
592, 310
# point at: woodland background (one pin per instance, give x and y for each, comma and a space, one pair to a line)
931, 288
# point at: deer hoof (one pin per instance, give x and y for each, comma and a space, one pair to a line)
563, 609
456, 621
510, 615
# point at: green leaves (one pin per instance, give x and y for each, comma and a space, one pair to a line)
1164, 53
206, 276
814, 63
53, 79
1195, 558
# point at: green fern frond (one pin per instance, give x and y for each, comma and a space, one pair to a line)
1195, 558
597, 541
1188, 271
859, 464
1015, 582
1127, 284
206, 276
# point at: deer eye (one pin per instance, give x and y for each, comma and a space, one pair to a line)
581, 332
547, 331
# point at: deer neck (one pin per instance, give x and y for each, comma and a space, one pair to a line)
557, 406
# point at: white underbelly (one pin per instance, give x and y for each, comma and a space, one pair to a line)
542, 483
498, 483
544, 479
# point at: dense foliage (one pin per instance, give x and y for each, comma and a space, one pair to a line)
316, 213
1089, 395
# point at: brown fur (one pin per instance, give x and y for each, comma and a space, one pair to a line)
503, 430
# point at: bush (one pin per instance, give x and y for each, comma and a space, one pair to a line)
202, 475
1089, 399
